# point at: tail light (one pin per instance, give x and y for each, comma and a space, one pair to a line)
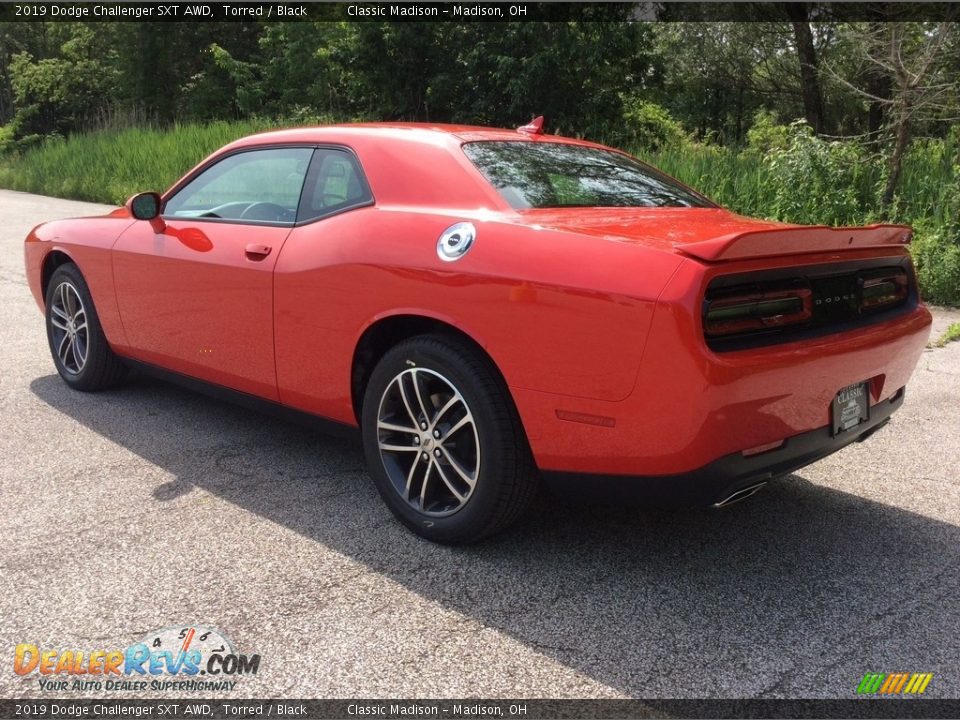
739, 312
767, 307
882, 289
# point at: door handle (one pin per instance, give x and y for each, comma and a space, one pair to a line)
257, 252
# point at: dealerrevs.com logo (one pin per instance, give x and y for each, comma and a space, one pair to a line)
185, 657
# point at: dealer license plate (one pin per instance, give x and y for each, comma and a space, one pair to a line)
851, 406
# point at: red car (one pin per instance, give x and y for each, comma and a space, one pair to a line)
492, 308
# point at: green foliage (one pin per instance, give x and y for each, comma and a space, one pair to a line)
54, 95
6, 138
498, 73
829, 174
305, 65
767, 134
936, 255
247, 95
574, 73
647, 125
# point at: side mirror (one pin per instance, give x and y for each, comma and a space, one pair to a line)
144, 206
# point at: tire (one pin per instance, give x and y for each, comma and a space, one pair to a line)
78, 346
467, 428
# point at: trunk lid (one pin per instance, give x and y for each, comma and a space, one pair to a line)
713, 234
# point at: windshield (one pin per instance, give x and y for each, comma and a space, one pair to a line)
544, 174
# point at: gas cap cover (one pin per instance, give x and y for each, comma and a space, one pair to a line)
455, 241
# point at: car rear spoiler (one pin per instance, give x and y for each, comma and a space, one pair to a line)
795, 240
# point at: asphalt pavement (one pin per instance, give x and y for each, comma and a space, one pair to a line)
149, 506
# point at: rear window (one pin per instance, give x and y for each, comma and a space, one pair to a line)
544, 174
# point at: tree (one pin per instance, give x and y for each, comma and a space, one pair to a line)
917, 61
718, 74
56, 94
809, 72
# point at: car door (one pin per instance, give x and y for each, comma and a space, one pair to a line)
195, 288
316, 290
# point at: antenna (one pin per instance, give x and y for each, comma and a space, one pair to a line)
534, 127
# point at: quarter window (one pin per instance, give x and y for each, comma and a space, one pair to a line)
334, 183
261, 186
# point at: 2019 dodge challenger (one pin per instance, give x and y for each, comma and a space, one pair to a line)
492, 308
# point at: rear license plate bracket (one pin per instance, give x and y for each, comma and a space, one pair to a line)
850, 407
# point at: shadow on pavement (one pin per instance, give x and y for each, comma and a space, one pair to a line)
790, 591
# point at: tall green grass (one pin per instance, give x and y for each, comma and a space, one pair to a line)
111, 165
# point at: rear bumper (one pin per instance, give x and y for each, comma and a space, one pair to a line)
715, 482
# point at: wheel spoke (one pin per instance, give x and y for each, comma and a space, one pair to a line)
74, 346
64, 348
390, 447
406, 401
58, 323
64, 302
393, 427
426, 481
443, 411
410, 474
448, 483
458, 468
419, 393
58, 310
70, 304
462, 422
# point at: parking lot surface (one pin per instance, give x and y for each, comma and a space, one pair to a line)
150, 506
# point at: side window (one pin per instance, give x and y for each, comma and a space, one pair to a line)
255, 186
335, 182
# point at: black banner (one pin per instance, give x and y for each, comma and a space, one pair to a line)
404, 11
175, 709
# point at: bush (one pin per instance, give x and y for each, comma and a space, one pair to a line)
647, 125
6, 138
936, 255
55, 95
766, 134
819, 182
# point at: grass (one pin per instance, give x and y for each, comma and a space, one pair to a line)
951, 334
803, 180
111, 165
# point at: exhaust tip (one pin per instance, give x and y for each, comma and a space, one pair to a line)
741, 494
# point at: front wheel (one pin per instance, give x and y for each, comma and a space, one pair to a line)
77, 343
444, 443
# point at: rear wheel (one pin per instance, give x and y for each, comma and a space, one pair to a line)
77, 343
444, 442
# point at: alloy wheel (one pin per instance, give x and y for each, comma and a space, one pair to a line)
69, 329
428, 442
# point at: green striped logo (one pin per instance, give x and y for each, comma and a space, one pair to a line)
894, 683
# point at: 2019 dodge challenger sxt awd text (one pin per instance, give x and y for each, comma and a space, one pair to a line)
493, 307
